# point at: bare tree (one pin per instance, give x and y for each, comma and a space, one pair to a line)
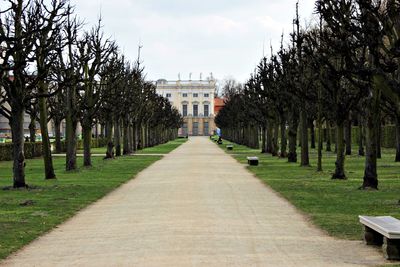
17, 38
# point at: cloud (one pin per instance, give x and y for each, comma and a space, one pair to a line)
271, 24
181, 36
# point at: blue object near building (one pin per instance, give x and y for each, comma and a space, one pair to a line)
218, 131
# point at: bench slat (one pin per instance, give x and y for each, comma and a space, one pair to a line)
385, 225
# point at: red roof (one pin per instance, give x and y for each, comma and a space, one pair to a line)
218, 104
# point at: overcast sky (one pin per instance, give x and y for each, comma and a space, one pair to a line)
224, 37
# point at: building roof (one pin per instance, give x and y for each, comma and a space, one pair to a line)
219, 103
198, 84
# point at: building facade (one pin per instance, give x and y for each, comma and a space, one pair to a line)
5, 128
195, 102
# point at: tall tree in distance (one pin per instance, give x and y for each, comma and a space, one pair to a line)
48, 19
94, 51
68, 77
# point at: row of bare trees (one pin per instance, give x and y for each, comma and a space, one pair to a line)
343, 69
52, 69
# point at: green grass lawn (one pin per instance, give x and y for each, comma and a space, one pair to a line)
161, 149
331, 204
26, 214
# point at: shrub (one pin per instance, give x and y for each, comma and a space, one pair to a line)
31, 150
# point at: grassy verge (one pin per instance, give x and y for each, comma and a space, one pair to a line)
332, 205
161, 149
26, 214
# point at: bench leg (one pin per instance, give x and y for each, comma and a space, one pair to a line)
391, 249
372, 237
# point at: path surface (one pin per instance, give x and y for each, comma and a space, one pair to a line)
195, 207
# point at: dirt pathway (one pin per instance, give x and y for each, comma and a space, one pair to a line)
195, 207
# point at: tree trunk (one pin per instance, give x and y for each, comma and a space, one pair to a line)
293, 126
305, 160
320, 147
255, 135
328, 137
348, 137
270, 144
110, 144
117, 137
46, 149
379, 139
57, 126
71, 122
139, 136
126, 146
312, 130
370, 172
275, 141
299, 133
134, 138
32, 132
96, 130
146, 134
397, 121
264, 139
32, 129
70, 139
340, 157
283, 153
17, 131
361, 151
320, 135
87, 142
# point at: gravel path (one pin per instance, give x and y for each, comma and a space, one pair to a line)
195, 207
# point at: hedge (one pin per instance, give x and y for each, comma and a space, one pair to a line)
32, 150
388, 136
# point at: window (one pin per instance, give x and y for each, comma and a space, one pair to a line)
195, 110
195, 95
168, 95
184, 110
184, 94
206, 95
206, 111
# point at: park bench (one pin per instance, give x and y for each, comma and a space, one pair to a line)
229, 147
385, 231
252, 161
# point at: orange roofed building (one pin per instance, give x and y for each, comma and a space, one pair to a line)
219, 103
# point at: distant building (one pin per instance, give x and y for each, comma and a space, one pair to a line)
5, 128
219, 103
195, 102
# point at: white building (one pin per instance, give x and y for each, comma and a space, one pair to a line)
194, 100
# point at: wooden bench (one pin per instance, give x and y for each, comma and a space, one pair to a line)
383, 231
252, 161
229, 147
